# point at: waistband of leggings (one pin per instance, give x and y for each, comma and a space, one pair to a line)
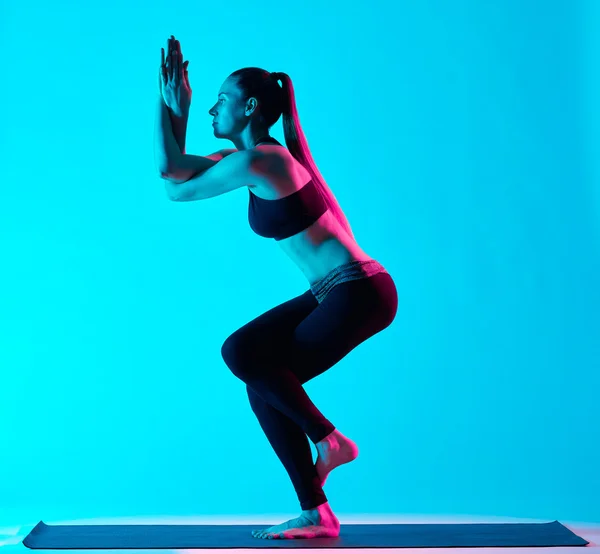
350, 271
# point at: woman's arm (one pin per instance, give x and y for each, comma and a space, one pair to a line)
166, 149
179, 126
188, 165
225, 152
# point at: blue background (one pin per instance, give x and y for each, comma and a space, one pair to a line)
461, 138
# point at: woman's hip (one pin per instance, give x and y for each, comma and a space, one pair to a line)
358, 291
351, 271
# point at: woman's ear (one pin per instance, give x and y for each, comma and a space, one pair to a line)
251, 105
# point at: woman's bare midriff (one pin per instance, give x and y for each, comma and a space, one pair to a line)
324, 245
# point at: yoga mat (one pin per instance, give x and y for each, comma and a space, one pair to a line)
403, 535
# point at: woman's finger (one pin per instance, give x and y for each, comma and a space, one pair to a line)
176, 69
169, 62
185, 71
163, 77
178, 58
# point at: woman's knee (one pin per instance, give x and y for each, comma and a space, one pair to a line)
243, 354
232, 351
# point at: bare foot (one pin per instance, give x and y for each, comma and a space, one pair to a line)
312, 524
333, 451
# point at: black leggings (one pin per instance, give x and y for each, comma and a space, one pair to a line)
290, 344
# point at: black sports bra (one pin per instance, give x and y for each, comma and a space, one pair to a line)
287, 216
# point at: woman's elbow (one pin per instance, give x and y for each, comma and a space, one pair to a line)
169, 186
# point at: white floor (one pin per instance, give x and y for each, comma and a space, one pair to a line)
11, 538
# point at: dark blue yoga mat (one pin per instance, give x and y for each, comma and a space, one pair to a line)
387, 535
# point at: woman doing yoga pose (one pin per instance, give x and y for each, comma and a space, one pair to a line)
350, 298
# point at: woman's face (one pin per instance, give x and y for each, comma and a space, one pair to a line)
228, 112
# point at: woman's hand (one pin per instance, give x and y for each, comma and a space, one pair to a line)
173, 79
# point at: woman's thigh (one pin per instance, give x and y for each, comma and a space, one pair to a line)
267, 338
308, 337
351, 313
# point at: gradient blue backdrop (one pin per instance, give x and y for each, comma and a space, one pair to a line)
461, 139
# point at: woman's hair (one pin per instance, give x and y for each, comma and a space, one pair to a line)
275, 101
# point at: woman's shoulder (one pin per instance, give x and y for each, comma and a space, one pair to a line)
278, 160
278, 174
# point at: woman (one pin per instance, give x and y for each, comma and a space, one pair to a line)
351, 297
